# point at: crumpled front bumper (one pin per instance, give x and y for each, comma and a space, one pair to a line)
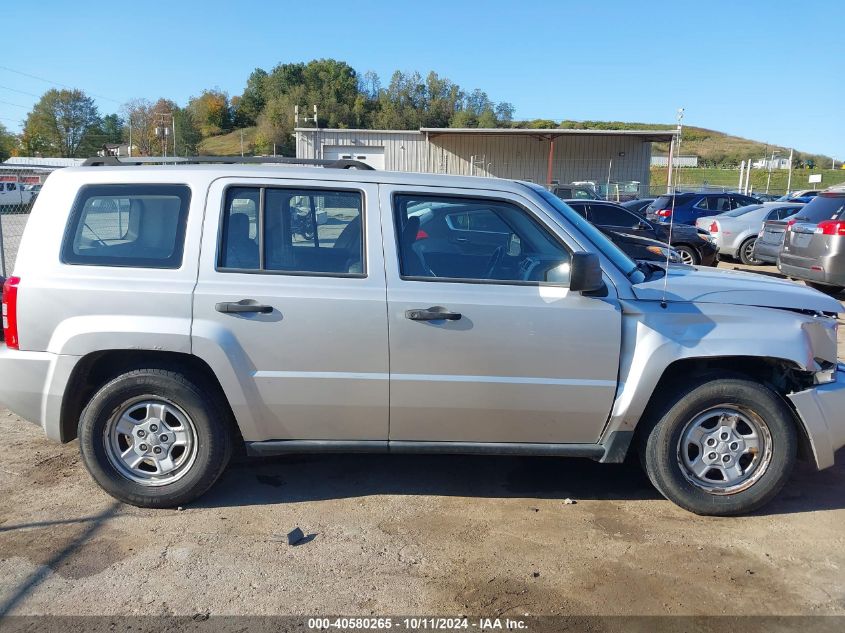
822, 411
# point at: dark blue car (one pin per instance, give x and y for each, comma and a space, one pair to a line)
688, 207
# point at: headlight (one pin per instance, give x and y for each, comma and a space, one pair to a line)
671, 254
706, 237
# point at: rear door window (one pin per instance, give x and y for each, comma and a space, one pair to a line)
138, 225
293, 231
609, 215
717, 204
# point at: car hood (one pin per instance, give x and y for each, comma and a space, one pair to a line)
691, 284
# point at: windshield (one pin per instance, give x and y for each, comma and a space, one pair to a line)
599, 239
742, 210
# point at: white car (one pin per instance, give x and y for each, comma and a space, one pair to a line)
736, 231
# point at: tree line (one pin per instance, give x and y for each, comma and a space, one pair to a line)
67, 122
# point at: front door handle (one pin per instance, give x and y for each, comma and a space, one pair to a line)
244, 305
435, 313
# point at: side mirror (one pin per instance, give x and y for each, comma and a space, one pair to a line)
585, 273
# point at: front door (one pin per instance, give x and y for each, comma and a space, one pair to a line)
482, 347
289, 308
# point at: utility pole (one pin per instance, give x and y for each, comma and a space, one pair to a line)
130, 134
670, 188
164, 130
242, 142
771, 164
789, 178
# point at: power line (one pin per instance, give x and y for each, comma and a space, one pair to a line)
55, 83
17, 105
23, 92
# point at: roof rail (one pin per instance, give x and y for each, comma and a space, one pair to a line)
129, 161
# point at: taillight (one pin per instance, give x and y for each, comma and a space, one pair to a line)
421, 235
789, 224
664, 213
714, 228
831, 227
10, 312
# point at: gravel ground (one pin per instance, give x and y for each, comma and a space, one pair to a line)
408, 535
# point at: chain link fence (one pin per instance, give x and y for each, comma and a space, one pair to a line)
19, 188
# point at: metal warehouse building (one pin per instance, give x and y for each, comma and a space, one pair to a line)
542, 155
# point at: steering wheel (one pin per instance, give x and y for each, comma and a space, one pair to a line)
495, 260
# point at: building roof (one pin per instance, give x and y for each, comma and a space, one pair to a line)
657, 136
36, 161
645, 135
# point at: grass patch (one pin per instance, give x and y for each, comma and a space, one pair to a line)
229, 144
700, 176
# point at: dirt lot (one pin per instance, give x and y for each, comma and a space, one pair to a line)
408, 535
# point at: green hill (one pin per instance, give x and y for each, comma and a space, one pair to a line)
229, 144
714, 149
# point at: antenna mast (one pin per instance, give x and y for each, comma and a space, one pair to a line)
673, 187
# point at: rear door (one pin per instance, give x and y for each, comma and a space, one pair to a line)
295, 325
486, 350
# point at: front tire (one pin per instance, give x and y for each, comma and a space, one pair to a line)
154, 438
689, 255
724, 447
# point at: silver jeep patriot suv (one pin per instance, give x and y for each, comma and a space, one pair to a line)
166, 315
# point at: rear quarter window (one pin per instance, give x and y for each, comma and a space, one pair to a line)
823, 207
138, 225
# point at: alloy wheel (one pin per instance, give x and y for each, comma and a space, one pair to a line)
151, 441
725, 449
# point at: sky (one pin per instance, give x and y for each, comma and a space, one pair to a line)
771, 71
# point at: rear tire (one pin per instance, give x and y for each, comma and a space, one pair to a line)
154, 438
722, 447
746, 252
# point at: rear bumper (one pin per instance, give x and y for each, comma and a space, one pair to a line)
766, 252
800, 268
822, 411
32, 385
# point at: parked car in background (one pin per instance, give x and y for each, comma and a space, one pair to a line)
769, 241
621, 191
32, 191
687, 207
642, 248
638, 205
814, 242
767, 197
803, 195
694, 246
579, 191
736, 231
14, 194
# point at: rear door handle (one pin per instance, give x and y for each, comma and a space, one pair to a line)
435, 313
244, 305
